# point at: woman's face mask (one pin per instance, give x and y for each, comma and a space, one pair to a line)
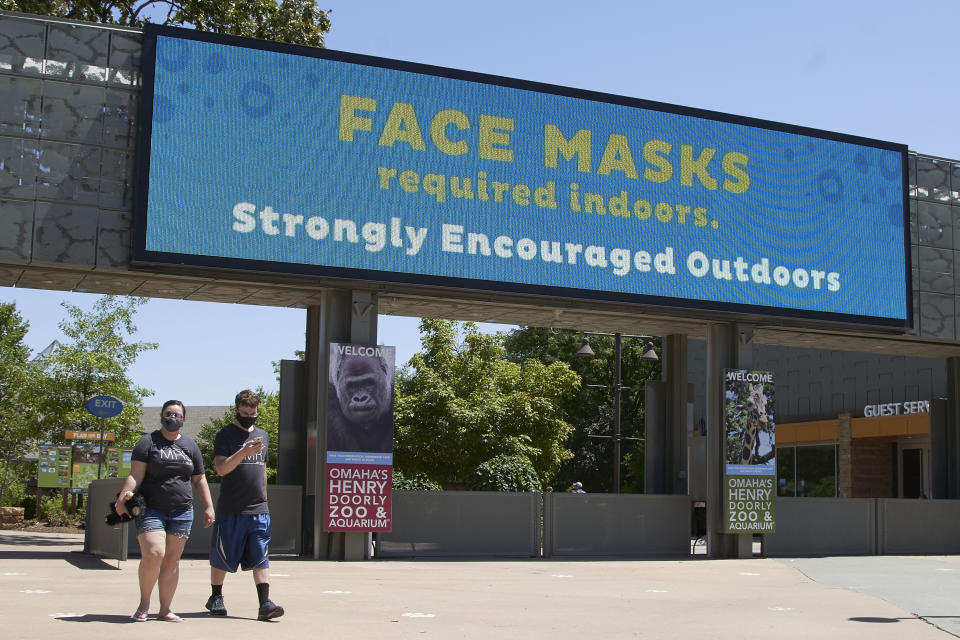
172, 420
172, 424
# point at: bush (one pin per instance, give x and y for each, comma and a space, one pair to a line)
418, 482
53, 513
504, 473
15, 491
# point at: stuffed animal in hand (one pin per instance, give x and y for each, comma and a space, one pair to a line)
135, 505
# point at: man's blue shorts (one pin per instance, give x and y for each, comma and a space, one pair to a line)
240, 540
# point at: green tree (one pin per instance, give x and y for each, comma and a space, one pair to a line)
460, 404
504, 473
413, 483
18, 377
94, 361
590, 409
295, 21
269, 421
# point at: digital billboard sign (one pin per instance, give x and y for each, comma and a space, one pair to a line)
277, 158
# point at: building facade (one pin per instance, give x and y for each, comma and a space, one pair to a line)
67, 154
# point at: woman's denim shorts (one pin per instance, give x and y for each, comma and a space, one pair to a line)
174, 524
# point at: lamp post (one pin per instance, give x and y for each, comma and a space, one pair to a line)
649, 354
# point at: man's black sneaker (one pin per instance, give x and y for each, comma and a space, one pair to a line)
215, 606
269, 610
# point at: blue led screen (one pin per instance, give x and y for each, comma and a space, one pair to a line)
276, 157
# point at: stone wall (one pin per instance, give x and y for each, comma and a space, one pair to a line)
873, 472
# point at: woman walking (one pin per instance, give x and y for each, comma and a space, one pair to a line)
166, 466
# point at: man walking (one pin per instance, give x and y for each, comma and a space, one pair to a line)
241, 532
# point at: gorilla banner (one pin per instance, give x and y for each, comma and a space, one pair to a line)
359, 462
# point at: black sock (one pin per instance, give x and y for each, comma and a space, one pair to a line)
217, 589
263, 592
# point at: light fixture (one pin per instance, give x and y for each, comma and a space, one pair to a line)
585, 351
649, 353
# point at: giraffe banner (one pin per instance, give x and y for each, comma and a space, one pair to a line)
750, 470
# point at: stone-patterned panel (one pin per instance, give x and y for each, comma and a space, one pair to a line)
955, 217
125, 50
933, 282
912, 175
916, 313
116, 179
65, 234
119, 119
18, 167
914, 226
20, 106
72, 112
69, 172
935, 260
933, 179
76, 52
16, 230
113, 240
21, 46
935, 225
937, 315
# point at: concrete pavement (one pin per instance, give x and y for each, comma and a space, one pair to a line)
50, 589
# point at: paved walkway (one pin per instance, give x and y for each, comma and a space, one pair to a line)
50, 589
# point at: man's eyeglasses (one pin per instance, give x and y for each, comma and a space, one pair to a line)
172, 414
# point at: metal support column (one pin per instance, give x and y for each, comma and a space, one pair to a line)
728, 346
342, 316
617, 383
654, 437
951, 431
677, 410
328, 322
357, 545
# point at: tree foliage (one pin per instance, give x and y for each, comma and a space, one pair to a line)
18, 392
419, 482
460, 403
591, 409
504, 473
94, 361
294, 21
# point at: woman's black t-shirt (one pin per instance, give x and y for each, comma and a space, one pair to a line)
170, 466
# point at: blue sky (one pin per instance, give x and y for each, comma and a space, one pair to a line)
880, 69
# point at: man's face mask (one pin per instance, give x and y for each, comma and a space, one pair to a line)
246, 421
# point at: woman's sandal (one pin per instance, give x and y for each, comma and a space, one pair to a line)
139, 616
170, 617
